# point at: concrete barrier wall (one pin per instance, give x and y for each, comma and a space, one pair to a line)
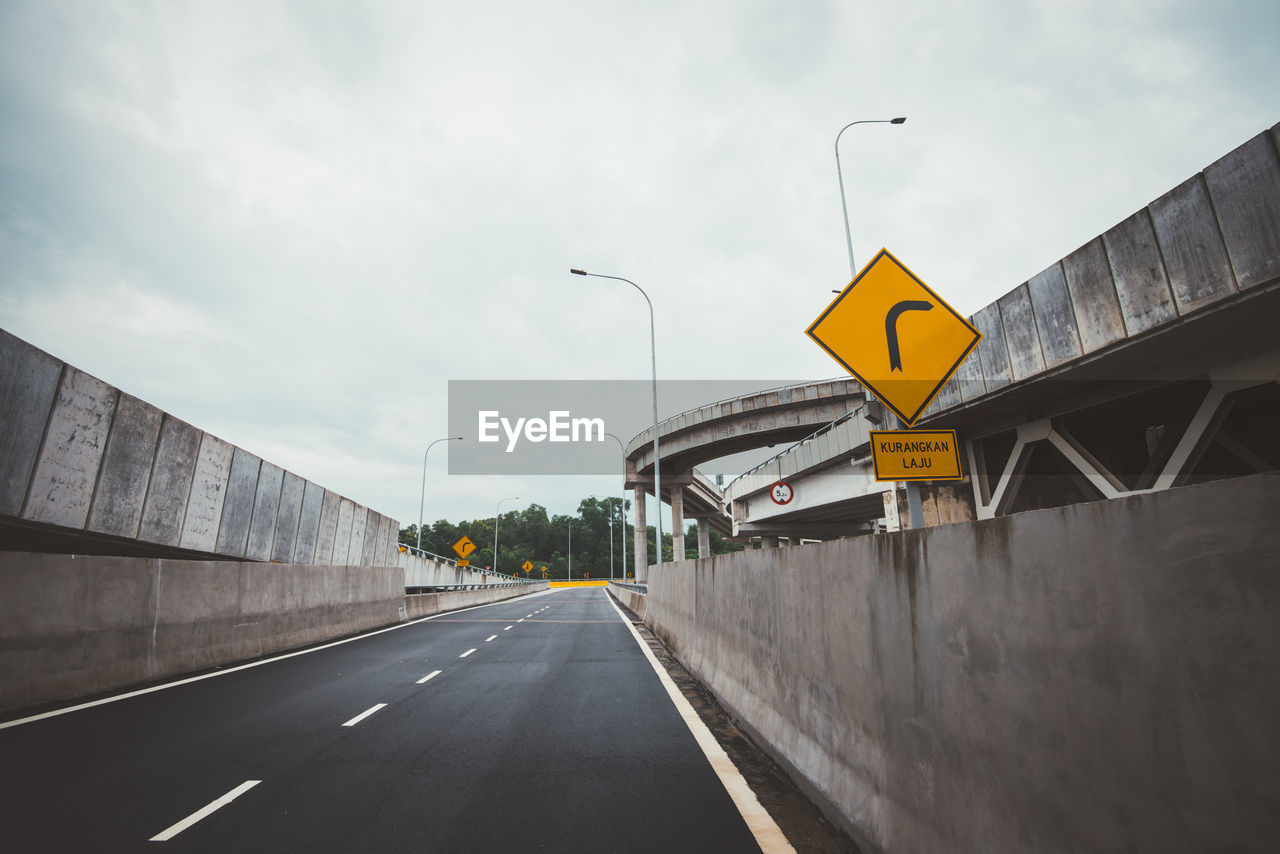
71, 626
1099, 677
78, 625
630, 599
78, 454
426, 604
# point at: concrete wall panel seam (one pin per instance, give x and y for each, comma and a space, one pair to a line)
1244, 192
67, 470
23, 492
97, 480
123, 478
1190, 239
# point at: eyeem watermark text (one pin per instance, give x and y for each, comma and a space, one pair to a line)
558, 426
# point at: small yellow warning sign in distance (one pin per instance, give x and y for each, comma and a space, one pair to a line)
464, 547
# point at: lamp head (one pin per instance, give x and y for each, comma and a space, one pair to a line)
899, 120
578, 272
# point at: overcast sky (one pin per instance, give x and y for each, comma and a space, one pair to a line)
292, 223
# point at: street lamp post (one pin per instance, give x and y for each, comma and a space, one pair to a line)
495, 528
653, 360
622, 508
422, 499
569, 576
913, 489
853, 270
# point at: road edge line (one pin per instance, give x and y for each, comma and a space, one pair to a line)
767, 834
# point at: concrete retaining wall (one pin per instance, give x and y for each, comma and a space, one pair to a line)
71, 626
1099, 677
78, 454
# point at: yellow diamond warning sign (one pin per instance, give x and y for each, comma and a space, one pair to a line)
915, 455
464, 547
895, 335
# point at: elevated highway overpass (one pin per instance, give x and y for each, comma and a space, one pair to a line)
1145, 359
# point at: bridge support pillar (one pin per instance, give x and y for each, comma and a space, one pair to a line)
704, 538
677, 523
641, 536
768, 542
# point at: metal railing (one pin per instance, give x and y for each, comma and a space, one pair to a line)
448, 561
449, 588
815, 434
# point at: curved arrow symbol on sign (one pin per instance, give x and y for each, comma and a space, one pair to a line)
891, 327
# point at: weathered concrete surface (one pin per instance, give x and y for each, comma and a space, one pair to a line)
266, 504
79, 455
309, 524
1025, 357
77, 625
1245, 188
1098, 677
126, 468
71, 455
208, 494
359, 524
328, 526
1092, 296
175, 466
28, 385
342, 543
237, 508
287, 516
1194, 255
1055, 319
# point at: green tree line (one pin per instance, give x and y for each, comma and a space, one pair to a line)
544, 540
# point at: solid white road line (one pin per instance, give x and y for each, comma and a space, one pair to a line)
358, 718
172, 831
766, 831
468, 652
431, 675
489, 638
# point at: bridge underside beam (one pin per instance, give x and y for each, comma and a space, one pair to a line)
804, 530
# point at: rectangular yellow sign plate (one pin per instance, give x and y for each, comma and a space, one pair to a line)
915, 455
464, 563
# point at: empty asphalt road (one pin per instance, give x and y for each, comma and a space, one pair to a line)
531, 725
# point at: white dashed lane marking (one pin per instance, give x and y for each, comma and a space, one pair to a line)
358, 718
204, 812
